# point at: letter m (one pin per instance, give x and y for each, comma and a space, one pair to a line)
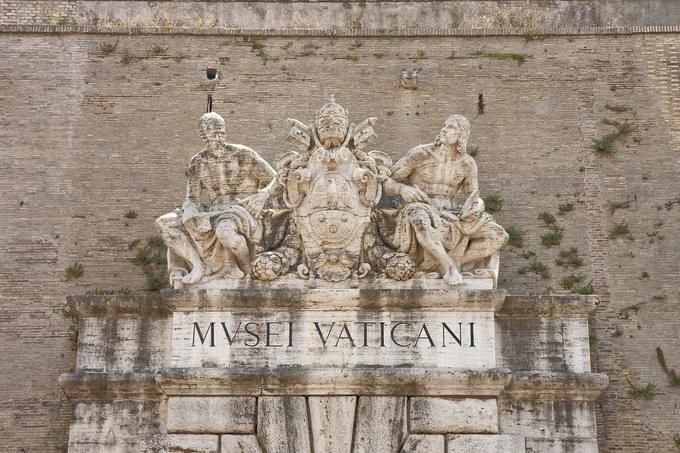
201, 336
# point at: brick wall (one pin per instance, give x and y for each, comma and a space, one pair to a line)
96, 125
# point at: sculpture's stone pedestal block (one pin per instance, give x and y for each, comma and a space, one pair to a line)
265, 369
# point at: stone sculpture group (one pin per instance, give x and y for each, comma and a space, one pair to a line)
319, 214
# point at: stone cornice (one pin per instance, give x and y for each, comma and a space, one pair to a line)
555, 306
339, 32
528, 385
83, 385
253, 296
333, 381
149, 304
544, 385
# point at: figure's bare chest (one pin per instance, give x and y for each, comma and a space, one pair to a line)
448, 173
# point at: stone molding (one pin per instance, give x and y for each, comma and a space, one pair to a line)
543, 385
342, 32
84, 385
254, 296
531, 385
261, 296
393, 381
152, 304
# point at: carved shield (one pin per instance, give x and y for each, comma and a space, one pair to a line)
331, 218
331, 206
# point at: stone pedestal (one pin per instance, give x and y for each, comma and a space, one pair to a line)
369, 369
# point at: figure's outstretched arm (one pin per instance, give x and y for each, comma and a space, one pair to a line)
268, 185
401, 171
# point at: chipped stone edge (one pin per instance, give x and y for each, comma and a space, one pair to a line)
545, 385
392, 381
257, 297
341, 32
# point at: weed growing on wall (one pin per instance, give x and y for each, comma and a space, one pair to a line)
552, 237
75, 270
614, 205
586, 289
605, 145
565, 208
620, 230
570, 281
516, 236
493, 203
106, 48
646, 392
536, 267
157, 51
569, 258
152, 259
548, 218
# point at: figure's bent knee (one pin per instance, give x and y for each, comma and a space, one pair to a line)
498, 238
419, 219
228, 234
505, 237
169, 220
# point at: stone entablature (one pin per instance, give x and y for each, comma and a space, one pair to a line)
332, 15
525, 401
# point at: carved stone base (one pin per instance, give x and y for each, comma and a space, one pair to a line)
183, 371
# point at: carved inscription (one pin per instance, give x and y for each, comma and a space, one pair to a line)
333, 338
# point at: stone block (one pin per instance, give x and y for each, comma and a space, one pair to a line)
485, 443
240, 443
546, 344
561, 445
282, 424
192, 443
453, 415
332, 420
549, 419
380, 425
420, 443
217, 414
109, 426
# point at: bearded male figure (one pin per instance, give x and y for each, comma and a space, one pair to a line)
215, 233
431, 227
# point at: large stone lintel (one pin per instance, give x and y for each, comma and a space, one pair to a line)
109, 386
542, 385
432, 295
333, 381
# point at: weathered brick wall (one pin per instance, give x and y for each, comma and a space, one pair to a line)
96, 125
